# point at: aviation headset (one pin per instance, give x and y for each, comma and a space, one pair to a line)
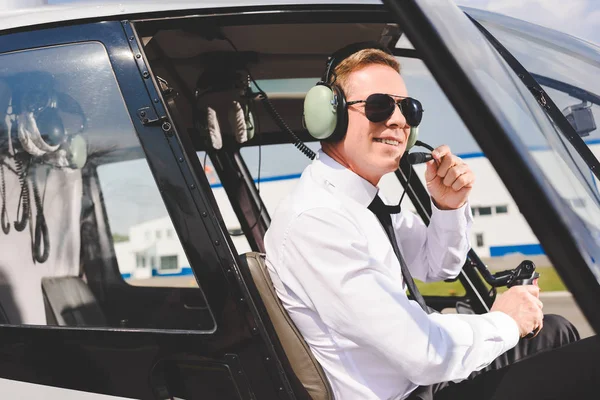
222, 99
325, 107
41, 130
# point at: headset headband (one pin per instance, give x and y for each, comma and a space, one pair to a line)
340, 55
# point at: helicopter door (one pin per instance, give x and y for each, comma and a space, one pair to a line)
113, 264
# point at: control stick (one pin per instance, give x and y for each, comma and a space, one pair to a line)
524, 274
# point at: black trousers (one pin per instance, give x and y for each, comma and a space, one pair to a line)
553, 365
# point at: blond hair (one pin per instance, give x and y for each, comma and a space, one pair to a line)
359, 60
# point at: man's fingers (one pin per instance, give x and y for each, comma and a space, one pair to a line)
539, 304
531, 289
534, 290
448, 162
444, 165
431, 171
464, 181
440, 152
454, 172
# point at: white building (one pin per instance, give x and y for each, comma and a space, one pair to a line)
153, 249
499, 228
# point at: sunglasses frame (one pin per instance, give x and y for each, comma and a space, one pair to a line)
393, 97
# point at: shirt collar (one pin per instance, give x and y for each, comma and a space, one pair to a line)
344, 180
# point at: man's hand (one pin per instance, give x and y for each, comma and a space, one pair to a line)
522, 303
449, 179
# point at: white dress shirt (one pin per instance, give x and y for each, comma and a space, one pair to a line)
338, 277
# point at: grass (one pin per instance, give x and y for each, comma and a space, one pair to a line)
549, 281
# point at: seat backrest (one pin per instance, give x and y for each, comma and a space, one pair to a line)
301, 359
69, 301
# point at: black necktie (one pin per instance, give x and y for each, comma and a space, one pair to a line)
383, 214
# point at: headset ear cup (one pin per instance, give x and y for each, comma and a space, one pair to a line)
242, 121
207, 124
78, 152
320, 112
250, 124
237, 120
342, 115
412, 137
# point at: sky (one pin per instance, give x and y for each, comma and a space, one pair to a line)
579, 18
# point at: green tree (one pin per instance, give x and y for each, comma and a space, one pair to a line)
120, 238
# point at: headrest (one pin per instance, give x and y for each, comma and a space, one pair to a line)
223, 113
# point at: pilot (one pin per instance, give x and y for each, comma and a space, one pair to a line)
341, 259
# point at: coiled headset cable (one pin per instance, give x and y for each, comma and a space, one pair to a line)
21, 223
4, 214
279, 121
41, 238
283, 126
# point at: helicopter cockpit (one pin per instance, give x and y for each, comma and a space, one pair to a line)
141, 159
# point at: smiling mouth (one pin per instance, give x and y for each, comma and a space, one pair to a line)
387, 141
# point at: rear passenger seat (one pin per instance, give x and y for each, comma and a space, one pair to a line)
69, 302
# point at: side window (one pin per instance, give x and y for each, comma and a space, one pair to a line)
139, 223
274, 178
82, 219
231, 221
276, 168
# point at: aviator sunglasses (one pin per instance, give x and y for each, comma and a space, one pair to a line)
379, 107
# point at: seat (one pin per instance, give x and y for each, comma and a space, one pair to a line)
304, 365
70, 302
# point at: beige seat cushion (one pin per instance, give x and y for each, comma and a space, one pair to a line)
305, 366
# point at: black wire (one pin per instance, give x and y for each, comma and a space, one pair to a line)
423, 144
4, 217
41, 228
259, 165
260, 210
20, 224
230, 42
283, 126
420, 144
279, 121
275, 115
406, 186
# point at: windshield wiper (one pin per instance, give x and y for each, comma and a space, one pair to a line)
544, 101
567, 88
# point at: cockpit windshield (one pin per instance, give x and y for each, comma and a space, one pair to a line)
564, 66
567, 72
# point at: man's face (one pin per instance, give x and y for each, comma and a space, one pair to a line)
372, 149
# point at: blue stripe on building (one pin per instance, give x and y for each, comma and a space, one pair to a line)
185, 271
525, 249
267, 179
462, 155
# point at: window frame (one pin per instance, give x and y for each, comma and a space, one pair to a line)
199, 235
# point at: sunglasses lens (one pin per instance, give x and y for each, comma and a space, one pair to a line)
379, 107
412, 111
